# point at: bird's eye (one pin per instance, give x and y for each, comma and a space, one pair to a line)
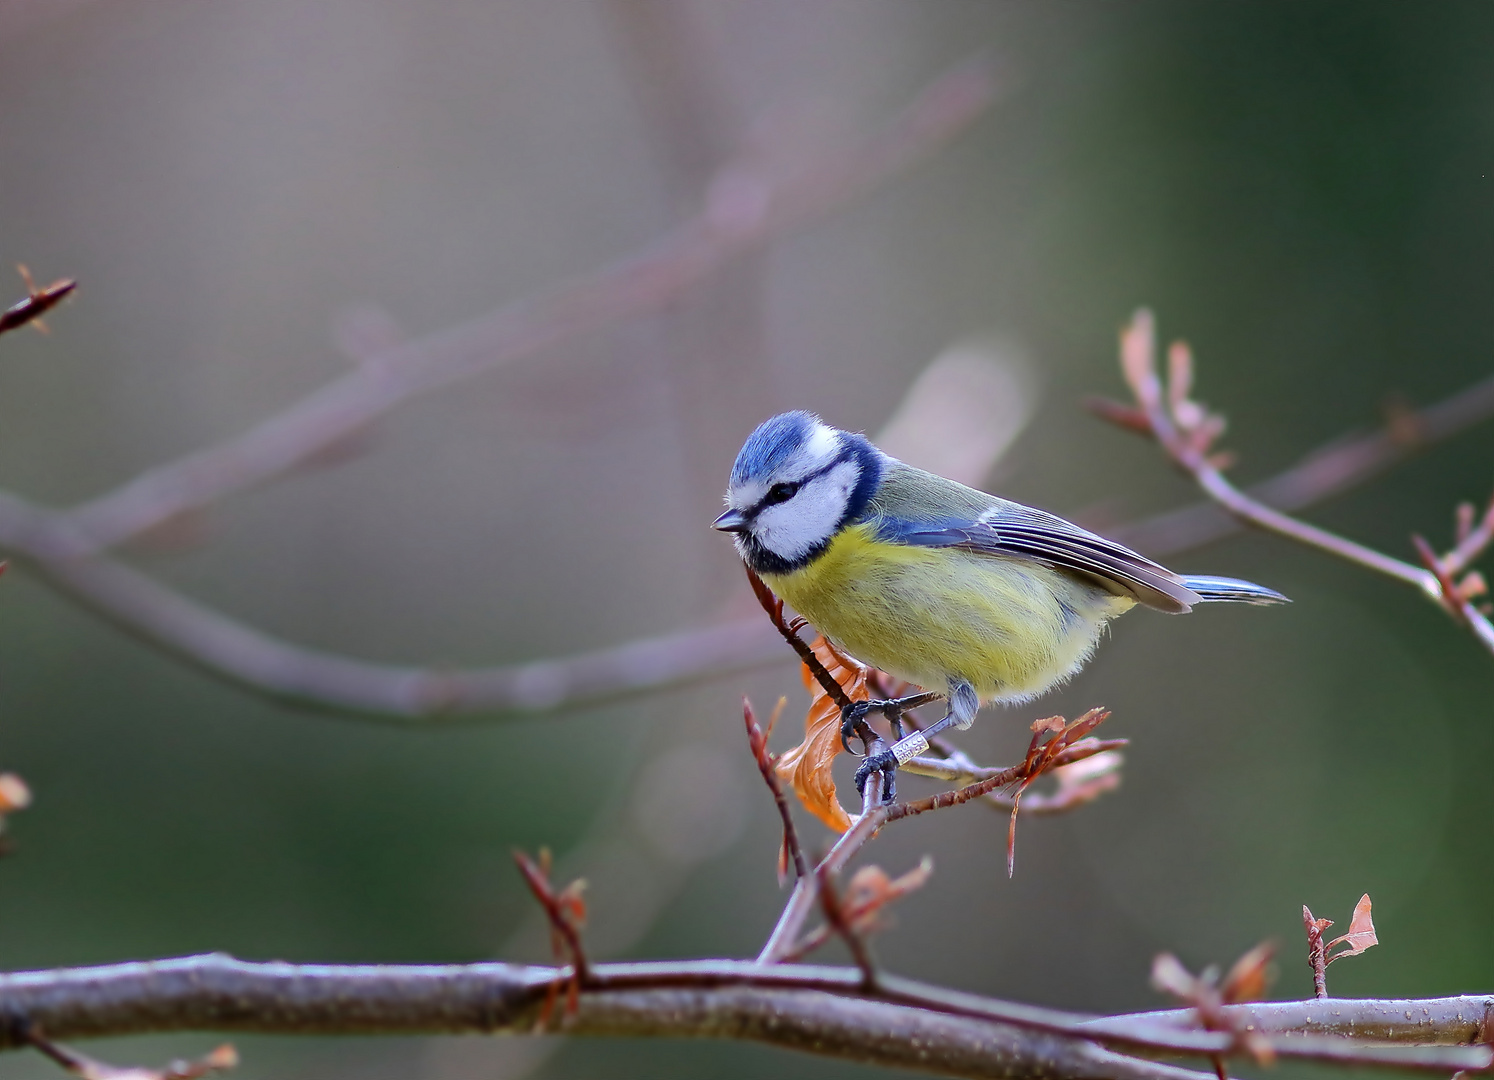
780, 493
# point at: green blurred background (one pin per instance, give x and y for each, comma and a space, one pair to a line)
1303, 190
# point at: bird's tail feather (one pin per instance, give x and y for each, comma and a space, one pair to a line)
1233, 590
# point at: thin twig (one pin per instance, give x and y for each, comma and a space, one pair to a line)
957, 765
1061, 801
1472, 542
537, 877
781, 941
784, 939
790, 633
1189, 447
1317, 952
765, 765
835, 919
1325, 472
869, 893
222, 1058
37, 303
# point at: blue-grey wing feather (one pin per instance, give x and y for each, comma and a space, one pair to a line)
929, 511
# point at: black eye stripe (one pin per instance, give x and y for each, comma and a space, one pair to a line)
769, 500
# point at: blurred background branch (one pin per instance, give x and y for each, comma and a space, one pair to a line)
255, 195
260, 662
747, 204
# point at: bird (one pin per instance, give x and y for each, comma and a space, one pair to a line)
970, 596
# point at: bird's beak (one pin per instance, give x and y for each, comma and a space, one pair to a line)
733, 521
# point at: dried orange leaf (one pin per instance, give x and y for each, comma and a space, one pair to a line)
868, 883
871, 883
224, 1057
915, 878
1082, 774
572, 903
871, 890
1171, 977
1180, 385
1053, 724
1139, 360
1314, 925
1084, 780
1248, 979
1208, 427
807, 767
1361, 933
14, 794
1083, 726
773, 717
1463, 517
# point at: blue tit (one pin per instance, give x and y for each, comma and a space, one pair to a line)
960, 592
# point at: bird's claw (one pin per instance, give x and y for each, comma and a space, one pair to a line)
884, 763
852, 717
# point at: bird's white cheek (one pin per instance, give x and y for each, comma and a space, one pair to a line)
795, 528
790, 531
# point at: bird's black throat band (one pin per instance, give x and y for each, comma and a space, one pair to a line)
870, 469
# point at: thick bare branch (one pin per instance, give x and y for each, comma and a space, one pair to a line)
806, 1007
1464, 1020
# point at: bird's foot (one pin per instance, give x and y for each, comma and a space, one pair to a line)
853, 721
853, 716
885, 763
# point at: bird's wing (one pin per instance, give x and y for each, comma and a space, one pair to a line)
999, 527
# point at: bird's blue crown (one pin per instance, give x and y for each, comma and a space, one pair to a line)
772, 444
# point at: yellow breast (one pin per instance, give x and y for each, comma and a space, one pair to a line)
1010, 627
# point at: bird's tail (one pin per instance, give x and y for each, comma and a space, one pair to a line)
1233, 590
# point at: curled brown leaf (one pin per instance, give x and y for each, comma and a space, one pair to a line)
14, 794
1361, 935
871, 890
1172, 978
1041, 757
80, 1065
807, 767
1251, 974
1139, 359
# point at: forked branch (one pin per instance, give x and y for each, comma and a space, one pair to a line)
1187, 431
